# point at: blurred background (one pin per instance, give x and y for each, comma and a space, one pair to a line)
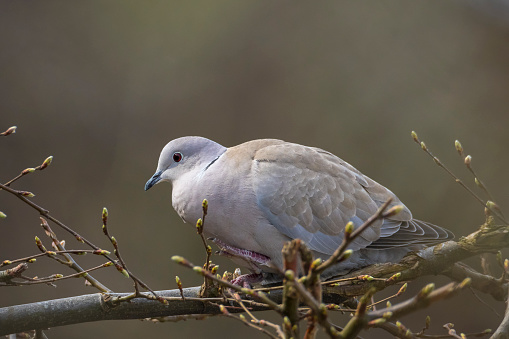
103, 86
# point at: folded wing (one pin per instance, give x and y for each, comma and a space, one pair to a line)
311, 194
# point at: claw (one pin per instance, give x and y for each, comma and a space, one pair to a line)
246, 280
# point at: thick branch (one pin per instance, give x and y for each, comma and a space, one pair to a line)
98, 307
481, 282
434, 260
502, 331
437, 259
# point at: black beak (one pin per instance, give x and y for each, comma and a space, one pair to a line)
154, 180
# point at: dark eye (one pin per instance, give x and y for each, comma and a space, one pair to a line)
177, 156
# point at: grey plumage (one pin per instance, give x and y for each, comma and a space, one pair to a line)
263, 193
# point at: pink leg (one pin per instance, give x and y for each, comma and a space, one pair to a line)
246, 280
252, 259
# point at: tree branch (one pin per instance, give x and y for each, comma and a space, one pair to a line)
502, 331
98, 307
437, 259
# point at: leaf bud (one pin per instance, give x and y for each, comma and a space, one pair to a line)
458, 146
46, 162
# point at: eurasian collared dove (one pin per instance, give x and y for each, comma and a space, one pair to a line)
266, 192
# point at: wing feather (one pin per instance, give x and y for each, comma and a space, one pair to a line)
310, 194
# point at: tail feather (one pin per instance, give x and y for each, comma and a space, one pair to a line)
413, 232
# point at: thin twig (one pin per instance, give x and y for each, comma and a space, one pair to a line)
260, 295
242, 319
70, 260
34, 281
503, 328
46, 214
27, 259
456, 179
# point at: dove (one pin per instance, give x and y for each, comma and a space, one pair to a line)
264, 193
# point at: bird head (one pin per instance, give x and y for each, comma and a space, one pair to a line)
183, 156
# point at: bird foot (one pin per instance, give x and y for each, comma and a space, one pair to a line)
253, 259
246, 280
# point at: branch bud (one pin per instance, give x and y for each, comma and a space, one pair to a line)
214, 269
180, 260
465, 283
376, 322
46, 162
31, 261
402, 289
3, 215
124, 272
490, 206
346, 254
199, 226
205, 206
394, 277
26, 194
428, 321
349, 229
223, 309
393, 211
426, 290
415, 137
458, 146
105, 215
468, 160
6, 262
365, 277
225, 276
423, 146
39, 244
9, 131
478, 183
287, 323
317, 262
27, 170
290, 275
198, 269
101, 252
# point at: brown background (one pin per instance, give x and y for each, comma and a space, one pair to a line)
102, 86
